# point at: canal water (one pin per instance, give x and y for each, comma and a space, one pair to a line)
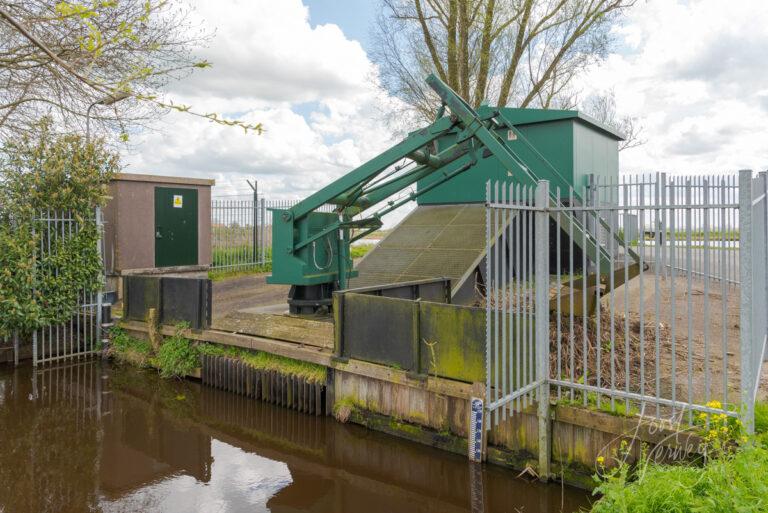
89, 436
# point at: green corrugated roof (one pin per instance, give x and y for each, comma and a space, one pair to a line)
531, 116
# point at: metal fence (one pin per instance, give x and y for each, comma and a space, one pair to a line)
672, 324
241, 232
81, 335
651, 218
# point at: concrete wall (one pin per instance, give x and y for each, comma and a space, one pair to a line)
129, 219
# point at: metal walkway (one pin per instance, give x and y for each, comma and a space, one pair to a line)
436, 241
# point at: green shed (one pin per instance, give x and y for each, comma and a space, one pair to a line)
562, 146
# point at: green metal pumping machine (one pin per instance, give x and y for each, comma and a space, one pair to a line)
311, 246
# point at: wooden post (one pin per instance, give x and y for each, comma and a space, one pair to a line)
155, 337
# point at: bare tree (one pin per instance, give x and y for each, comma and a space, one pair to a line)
60, 58
602, 107
524, 53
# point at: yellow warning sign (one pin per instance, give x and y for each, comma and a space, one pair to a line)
178, 201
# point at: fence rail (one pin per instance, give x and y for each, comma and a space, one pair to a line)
241, 232
674, 327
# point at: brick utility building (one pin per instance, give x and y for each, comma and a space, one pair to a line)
157, 224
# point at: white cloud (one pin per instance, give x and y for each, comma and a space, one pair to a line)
267, 50
694, 72
314, 90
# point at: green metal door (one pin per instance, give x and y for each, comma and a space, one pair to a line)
175, 226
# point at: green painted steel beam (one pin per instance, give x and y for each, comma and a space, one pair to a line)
369, 170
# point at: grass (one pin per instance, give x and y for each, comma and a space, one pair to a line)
179, 357
235, 255
129, 349
731, 483
619, 408
732, 479
761, 422
268, 362
360, 250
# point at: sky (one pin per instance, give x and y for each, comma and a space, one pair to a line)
693, 73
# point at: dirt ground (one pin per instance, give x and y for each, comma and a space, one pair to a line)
706, 325
244, 292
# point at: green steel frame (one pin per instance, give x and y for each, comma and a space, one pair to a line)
302, 236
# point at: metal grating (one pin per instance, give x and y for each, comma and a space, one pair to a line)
433, 241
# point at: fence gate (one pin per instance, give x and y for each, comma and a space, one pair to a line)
514, 377
81, 335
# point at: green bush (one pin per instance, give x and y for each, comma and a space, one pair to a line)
126, 348
40, 172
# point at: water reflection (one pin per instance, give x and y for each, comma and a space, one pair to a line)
87, 437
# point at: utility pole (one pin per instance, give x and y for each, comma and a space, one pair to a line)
255, 188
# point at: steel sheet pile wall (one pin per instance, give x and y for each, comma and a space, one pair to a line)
421, 337
286, 390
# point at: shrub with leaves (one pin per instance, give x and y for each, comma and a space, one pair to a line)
40, 174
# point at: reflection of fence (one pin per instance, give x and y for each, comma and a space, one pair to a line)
659, 334
241, 232
76, 385
80, 335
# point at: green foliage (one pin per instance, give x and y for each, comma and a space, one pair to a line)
360, 250
128, 349
731, 478
225, 274
731, 482
39, 174
177, 357
761, 422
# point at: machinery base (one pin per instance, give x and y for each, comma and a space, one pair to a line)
311, 299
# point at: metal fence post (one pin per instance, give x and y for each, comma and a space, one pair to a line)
745, 304
255, 235
34, 263
263, 206
488, 287
764, 212
99, 229
541, 239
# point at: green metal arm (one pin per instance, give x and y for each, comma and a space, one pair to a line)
304, 238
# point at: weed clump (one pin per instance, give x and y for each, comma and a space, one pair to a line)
177, 357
